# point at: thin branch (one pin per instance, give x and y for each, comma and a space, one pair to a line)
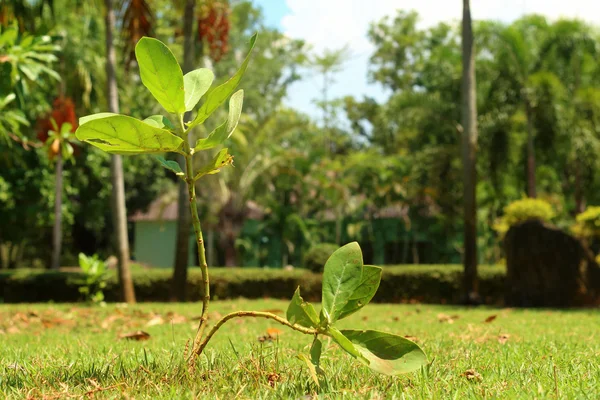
254, 314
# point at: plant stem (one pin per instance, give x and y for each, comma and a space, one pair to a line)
254, 314
189, 180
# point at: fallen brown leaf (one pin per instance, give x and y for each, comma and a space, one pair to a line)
471, 374
503, 338
175, 318
13, 330
138, 336
273, 378
490, 318
156, 320
447, 318
274, 332
109, 321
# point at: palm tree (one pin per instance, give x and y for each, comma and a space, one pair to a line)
571, 51
519, 55
469, 149
116, 166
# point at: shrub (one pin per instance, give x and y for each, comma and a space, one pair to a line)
316, 257
524, 210
399, 284
588, 223
93, 278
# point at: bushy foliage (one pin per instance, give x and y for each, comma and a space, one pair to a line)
524, 210
93, 279
317, 255
403, 283
588, 223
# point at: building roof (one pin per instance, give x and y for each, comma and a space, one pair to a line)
165, 209
159, 210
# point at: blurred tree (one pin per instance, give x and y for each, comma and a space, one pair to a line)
116, 164
469, 153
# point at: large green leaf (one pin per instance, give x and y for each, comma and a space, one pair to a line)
161, 74
371, 277
224, 131
92, 117
301, 313
343, 342
217, 96
386, 353
342, 275
196, 83
120, 134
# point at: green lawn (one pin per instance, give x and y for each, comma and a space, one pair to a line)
57, 352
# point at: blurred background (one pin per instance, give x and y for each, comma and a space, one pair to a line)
351, 128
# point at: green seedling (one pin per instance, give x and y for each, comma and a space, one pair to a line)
348, 285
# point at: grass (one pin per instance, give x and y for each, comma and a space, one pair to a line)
70, 351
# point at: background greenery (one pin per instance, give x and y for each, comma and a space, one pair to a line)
384, 173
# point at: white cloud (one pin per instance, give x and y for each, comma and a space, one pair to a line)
334, 23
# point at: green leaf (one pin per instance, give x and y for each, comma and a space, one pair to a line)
315, 352
217, 96
386, 353
342, 275
196, 83
222, 159
224, 131
362, 295
301, 313
343, 342
92, 117
312, 369
161, 74
170, 165
120, 134
7, 99
159, 121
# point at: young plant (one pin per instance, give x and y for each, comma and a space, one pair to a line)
94, 278
348, 285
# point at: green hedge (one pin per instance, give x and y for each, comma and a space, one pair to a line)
421, 283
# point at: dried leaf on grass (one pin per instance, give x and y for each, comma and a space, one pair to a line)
273, 378
490, 319
503, 338
472, 375
274, 332
156, 320
447, 318
138, 336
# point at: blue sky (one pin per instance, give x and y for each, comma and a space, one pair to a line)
331, 24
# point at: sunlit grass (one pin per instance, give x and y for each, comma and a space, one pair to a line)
51, 351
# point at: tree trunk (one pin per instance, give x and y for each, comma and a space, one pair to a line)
231, 220
116, 167
57, 230
210, 247
180, 270
531, 183
579, 194
469, 149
